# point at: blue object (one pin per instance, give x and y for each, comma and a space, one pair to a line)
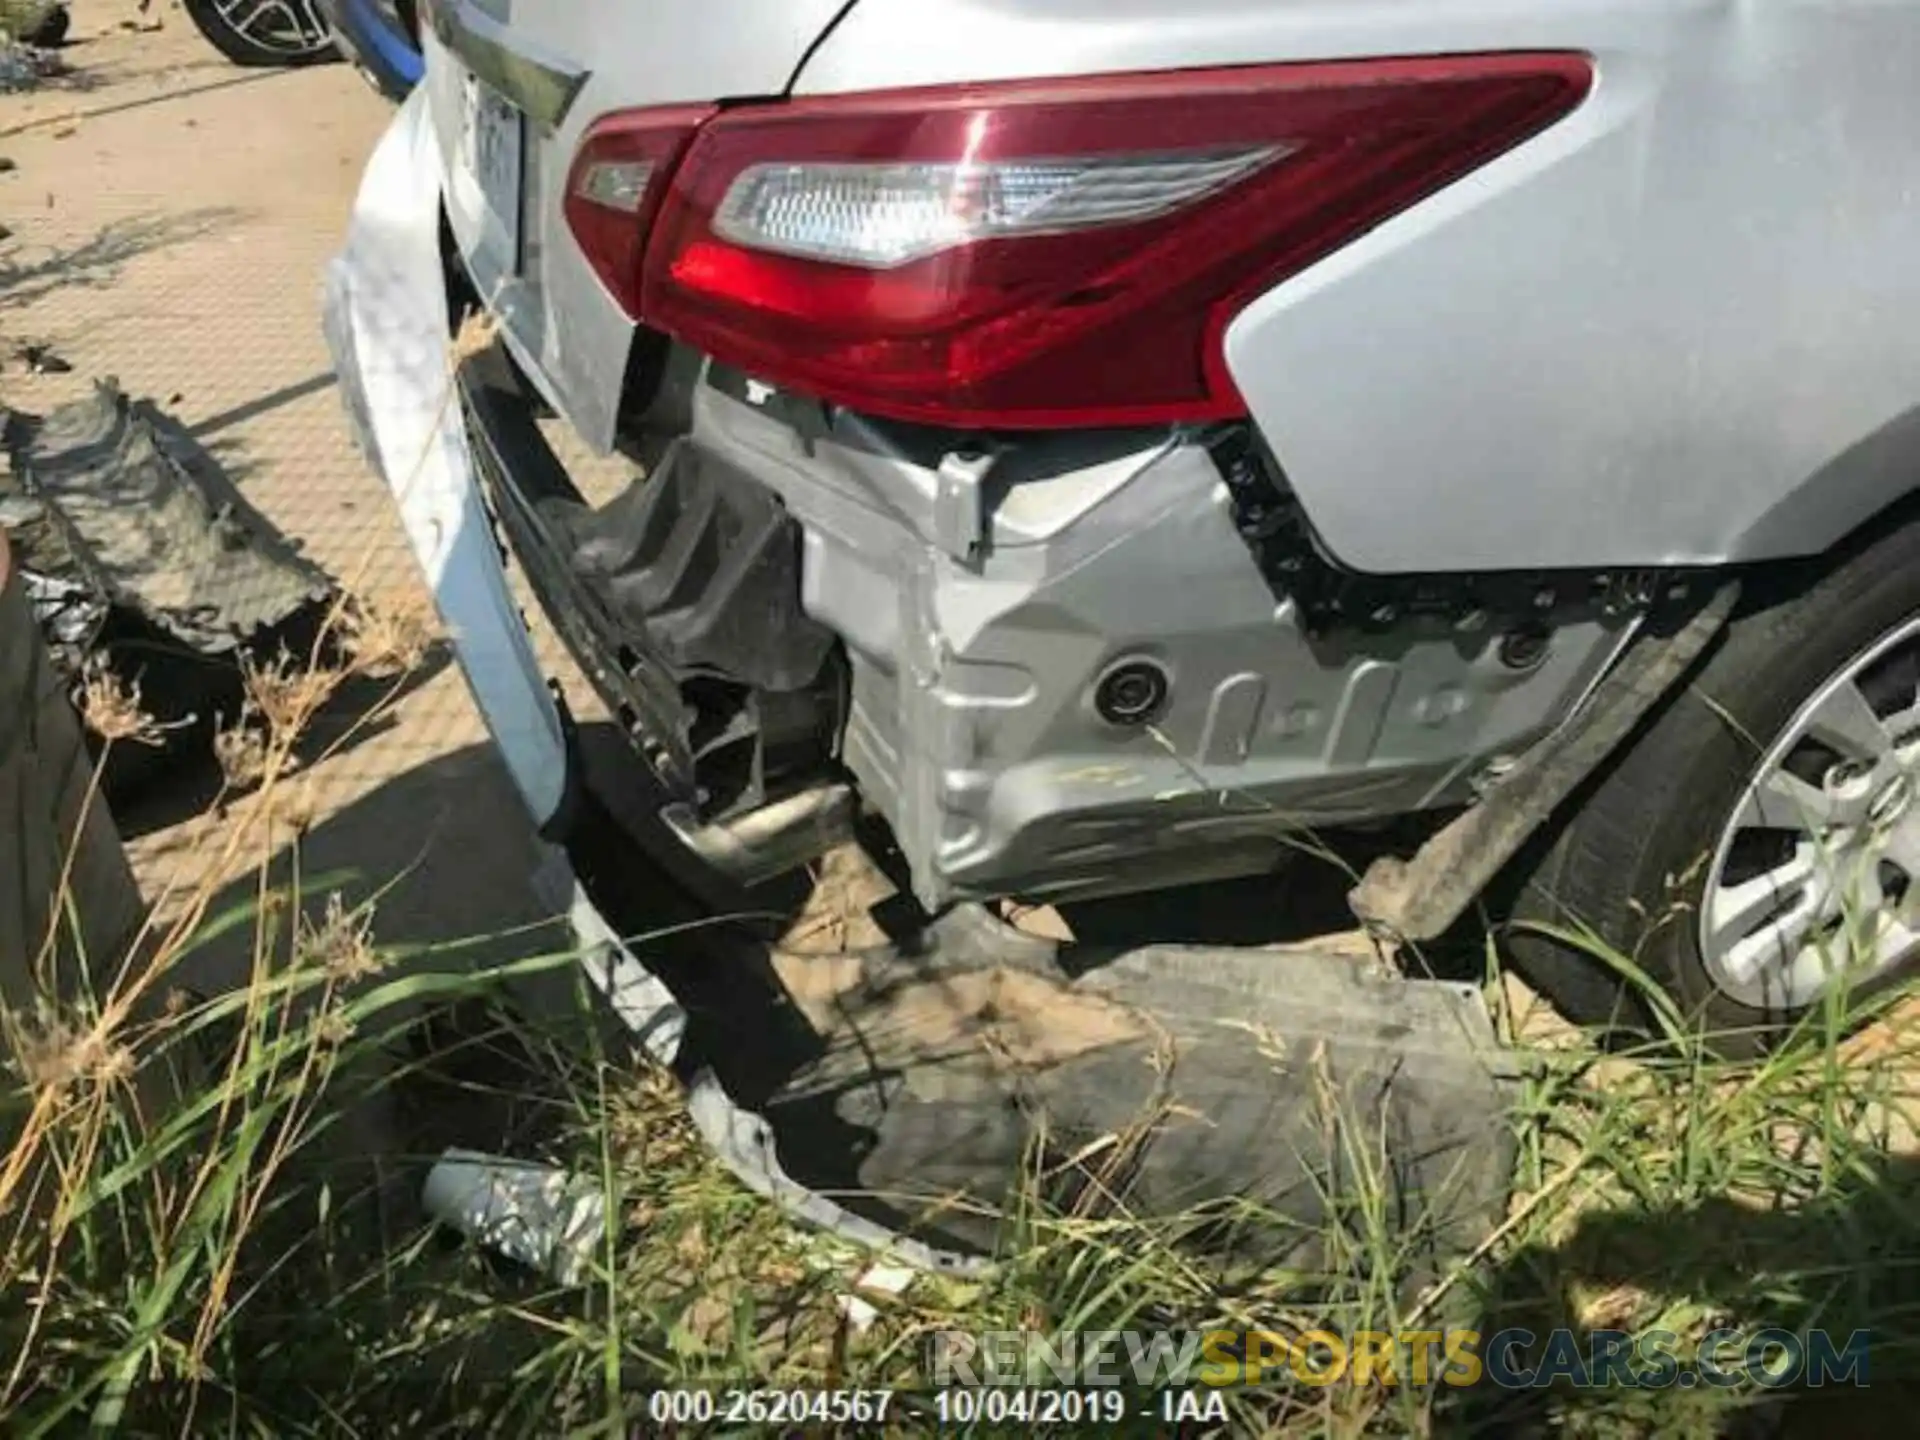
379, 37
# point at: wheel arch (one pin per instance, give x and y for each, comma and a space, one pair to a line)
1844, 502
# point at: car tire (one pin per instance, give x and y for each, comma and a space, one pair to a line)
1633, 861
243, 49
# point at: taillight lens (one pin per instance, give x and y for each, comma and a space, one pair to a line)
1058, 253
615, 187
880, 216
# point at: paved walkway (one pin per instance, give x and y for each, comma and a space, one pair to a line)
170, 217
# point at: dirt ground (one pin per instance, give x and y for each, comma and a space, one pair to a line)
170, 215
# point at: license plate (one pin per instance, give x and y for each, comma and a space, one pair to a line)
490, 140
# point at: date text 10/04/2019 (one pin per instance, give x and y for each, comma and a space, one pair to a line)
994, 1404
963, 1405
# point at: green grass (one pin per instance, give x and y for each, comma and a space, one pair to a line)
206, 1262
197, 1239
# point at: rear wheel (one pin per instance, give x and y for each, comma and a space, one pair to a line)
1758, 845
264, 32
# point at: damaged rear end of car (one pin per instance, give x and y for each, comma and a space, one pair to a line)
950, 530
949, 491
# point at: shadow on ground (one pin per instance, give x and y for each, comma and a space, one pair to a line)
1847, 1262
441, 857
260, 405
442, 852
159, 788
96, 262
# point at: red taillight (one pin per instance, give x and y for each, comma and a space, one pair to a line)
1057, 253
615, 187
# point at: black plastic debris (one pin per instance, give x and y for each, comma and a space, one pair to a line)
1169, 1080
140, 556
43, 360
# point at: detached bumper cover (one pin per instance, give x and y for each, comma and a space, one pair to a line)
141, 555
387, 326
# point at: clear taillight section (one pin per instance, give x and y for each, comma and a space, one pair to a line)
615, 187
616, 184
1037, 254
881, 216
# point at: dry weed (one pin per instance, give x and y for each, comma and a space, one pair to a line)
476, 333
334, 1030
287, 694
241, 749
110, 707
341, 943
385, 640
56, 1053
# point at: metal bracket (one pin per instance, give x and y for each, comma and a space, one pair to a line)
959, 513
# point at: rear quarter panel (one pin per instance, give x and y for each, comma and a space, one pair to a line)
1679, 327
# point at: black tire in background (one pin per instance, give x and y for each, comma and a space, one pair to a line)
1634, 857
307, 39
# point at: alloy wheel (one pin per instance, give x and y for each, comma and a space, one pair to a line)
1814, 875
292, 27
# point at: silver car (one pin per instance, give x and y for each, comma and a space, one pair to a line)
1101, 441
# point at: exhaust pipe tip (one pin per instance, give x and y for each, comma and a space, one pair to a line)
762, 844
